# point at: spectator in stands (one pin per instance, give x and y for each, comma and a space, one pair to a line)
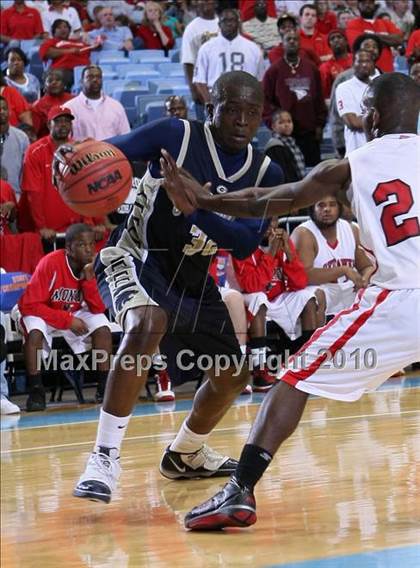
176, 106
310, 37
55, 95
200, 30
41, 208
367, 42
88, 26
349, 98
282, 147
415, 72
152, 31
19, 110
109, 34
400, 15
343, 18
287, 23
65, 53
332, 255
13, 145
6, 405
59, 11
20, 22
29, 131
294, 84
341, 61
96, 115
262, 28
227, 52
62, 298
413, 47
391, 36
246, 9
326, 19
26, 83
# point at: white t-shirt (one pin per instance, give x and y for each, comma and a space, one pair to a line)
196, 33
220, 55
69, 14
349, 97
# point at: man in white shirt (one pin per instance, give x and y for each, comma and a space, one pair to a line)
349, 97
204, 27
229, 51
96, 115
58, 10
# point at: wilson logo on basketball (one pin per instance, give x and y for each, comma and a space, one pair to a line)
90, 158
104, 182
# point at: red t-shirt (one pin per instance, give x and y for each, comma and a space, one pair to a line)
54, 293
6, 195
16, 102
40, 205
40, 110
327, 23
318, 43
66, 61
277, 53
359, 26
152, 39
413, 42
21, 25
329, 71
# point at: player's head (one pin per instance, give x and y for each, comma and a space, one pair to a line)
4, 112
229, 23
282, 122
176, 106
391, 105
236, 110
80, 244
92, 81
326, 212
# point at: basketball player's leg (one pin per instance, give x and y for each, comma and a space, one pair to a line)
282, 408
37, 336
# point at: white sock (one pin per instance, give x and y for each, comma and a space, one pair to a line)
111, 430
243, 349
187, 442
258, 357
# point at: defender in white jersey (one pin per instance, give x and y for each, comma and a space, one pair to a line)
385, 175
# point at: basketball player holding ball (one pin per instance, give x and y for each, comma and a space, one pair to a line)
153, 275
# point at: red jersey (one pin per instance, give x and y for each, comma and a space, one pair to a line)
359, 26
66, 61
21, 25
152, 39
413, 42
329, 71
16, 102
277, 53
54, 293
318, 43
41, 107
262, 272
6, 195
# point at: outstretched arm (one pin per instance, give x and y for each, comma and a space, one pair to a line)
328, 178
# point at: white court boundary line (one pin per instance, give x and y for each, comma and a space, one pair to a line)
164, 436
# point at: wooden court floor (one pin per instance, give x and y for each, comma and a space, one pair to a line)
343, 491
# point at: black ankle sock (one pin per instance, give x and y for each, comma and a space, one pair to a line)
300, 341
253, 462
34, 382
257, 342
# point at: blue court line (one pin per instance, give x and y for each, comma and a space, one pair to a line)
150, 408
404, 556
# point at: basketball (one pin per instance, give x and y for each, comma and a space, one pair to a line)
96, 178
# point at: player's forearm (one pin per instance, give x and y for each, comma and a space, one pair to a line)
318, 276
203, 91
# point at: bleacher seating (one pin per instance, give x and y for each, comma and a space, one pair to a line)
165, 87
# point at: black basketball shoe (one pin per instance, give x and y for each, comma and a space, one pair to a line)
205, 462
233, 506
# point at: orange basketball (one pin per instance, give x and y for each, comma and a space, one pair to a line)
96, 178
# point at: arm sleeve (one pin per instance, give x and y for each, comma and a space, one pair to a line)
345, 102
201, 67
92, 297
145, 143
35, 298
186, 51
252, 278
295, 271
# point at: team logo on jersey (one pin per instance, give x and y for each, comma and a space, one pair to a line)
68, 295
221, 189
176, 212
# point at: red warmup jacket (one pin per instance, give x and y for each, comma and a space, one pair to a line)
262, 272
54, 293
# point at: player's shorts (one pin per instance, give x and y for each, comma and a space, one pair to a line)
338, 297
361, 347
201, 324
77, 343
284, 310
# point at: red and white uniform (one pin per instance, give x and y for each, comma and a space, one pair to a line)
276, 283
54, 296
339, 295
380, 333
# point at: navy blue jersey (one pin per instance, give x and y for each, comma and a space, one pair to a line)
183, 246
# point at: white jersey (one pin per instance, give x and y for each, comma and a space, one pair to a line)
219, 55
386, 201
195, 35
342, 253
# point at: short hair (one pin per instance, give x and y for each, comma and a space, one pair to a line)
171, 98
284, 18
396, 95
237, 78
361, 38
19, 52
75, 230
311, 6
278, 112
87, 68
233, 10
53, 70
57, 23
311, 208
